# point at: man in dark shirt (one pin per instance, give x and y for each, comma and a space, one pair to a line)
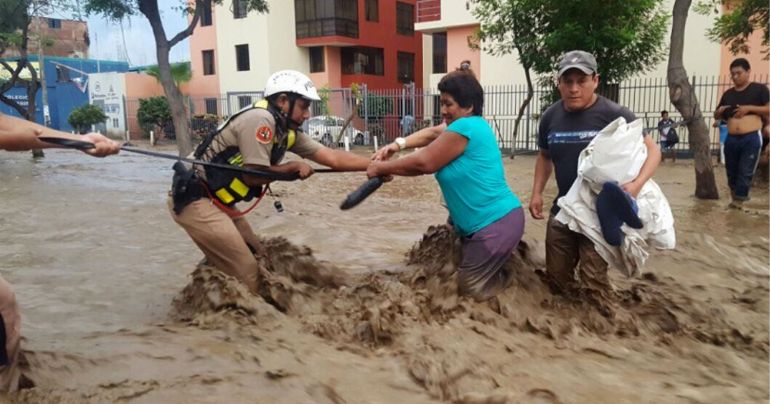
744, 107
566, 128
668, 135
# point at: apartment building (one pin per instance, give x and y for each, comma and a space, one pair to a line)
336, 42
447, 24
69, 38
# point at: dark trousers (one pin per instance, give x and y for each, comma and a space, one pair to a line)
741, 157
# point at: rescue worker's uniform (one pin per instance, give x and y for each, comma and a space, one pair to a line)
204, 205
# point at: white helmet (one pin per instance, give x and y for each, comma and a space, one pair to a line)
291, 81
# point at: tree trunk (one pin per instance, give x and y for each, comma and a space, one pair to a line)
31, 85
684, 99
163, 46
522, 108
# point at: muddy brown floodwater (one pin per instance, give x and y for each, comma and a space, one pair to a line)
361, 306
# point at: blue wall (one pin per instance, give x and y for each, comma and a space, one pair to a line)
63, 96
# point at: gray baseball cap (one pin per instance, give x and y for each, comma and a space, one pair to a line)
577, 59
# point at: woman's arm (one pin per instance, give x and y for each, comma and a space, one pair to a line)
421, 138
432, 158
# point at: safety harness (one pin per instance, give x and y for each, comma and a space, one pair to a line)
226, 187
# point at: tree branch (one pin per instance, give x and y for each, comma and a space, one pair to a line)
190, 28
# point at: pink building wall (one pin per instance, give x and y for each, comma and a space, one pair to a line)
205, 38
332, 76
458, 49
759, 66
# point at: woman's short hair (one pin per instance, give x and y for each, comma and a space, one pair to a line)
465, 89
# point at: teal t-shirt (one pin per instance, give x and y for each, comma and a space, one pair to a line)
474, 184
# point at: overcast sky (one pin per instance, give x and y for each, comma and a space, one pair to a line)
135, 42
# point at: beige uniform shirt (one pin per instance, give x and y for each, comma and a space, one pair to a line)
254, 133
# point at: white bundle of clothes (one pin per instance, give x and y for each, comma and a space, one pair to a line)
617, 153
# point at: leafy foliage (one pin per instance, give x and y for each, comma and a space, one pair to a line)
83, 117
154, 113
180, 72
13, 17
738, 23
117, 9
378, 106
626, 36
204, 124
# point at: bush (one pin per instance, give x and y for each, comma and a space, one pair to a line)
204, 124
83, 117
153, 114
378, 106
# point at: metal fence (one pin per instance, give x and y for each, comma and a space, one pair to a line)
387, 114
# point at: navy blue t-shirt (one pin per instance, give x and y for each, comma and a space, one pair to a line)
563, 135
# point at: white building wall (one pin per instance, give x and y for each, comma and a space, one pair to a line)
701, 55
272, 46
107, 91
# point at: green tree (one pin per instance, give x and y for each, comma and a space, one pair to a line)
180, 72
117, 9
83, 117
738, 23
323, 105
154, 113
626, 36
512, 26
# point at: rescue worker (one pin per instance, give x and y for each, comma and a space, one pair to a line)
17, 135
203, 200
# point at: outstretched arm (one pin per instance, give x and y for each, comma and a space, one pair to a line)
421, 138
340, 160
18, 134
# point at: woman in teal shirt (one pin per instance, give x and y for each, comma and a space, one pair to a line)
468, 166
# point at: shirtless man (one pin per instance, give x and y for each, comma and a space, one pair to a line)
744, 107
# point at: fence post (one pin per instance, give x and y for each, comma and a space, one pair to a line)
376, 146
152, 138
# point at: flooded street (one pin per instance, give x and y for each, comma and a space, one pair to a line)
96, 263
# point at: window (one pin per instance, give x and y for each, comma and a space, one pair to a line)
242, 57
206, 19
363, 60
208, 63
62, 74
239, 9
316, 18
317, 64
211, 106
372, 10
404, 18
439, 52
54, 23
405, 67
244, 101
114, 122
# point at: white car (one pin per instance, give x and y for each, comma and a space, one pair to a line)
326, 130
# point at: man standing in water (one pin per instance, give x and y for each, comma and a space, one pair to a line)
566, 128
744, 107
17, 135
203, 201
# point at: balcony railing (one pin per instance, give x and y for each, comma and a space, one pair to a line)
327, 27
428, 10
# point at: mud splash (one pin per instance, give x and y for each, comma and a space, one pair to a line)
380, 312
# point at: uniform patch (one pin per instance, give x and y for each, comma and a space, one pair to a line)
264, 135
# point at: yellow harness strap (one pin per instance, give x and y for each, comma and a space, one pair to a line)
292, 134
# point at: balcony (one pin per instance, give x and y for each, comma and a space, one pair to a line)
428, 10
327, 27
